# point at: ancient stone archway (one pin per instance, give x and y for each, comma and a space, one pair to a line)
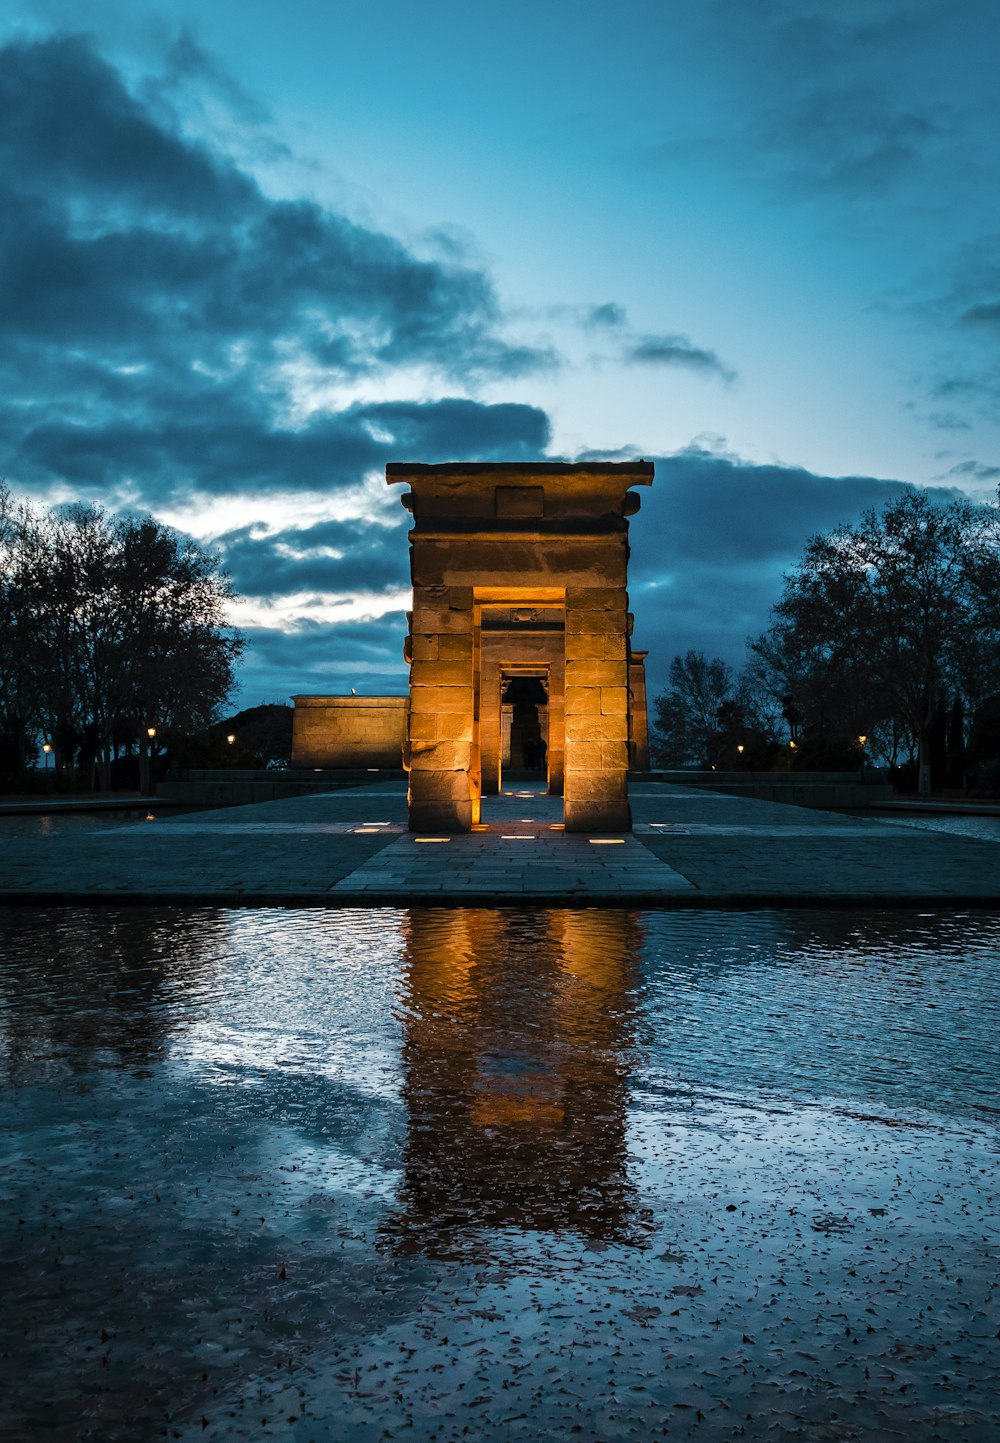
519, 566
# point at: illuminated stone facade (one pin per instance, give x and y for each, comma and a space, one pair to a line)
519, 577
349, 731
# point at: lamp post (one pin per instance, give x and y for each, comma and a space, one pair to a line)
47, 748
151, 733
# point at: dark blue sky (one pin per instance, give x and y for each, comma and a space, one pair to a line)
252, 253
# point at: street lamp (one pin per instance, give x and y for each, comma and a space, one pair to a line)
231, 737
46, 748
151, 733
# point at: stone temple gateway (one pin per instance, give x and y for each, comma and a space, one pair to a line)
519, 634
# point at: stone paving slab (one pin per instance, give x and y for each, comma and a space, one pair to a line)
751, 852
517, 864
352, 848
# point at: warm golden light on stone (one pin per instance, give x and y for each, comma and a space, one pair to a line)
519, 591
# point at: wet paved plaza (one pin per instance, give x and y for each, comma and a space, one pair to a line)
499, 1173
688, 848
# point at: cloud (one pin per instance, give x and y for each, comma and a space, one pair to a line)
836, 97
715, 536
709, 547
332, 557
679, 351
160, 311
326, 659
610, 315
974, 471
948, 421
216, 441
983, 314
634, 348
848, 139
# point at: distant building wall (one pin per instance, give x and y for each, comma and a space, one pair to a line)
349, 731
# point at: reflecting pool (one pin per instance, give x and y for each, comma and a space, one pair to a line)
498, 1174
59, 821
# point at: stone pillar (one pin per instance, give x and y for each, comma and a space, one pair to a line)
555, 727
489, 726
543, 727
543, 724
596, 708
506, 722
441, 709
638, 719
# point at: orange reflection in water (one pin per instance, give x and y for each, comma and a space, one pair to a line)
515, 1074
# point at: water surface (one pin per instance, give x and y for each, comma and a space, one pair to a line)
497, 1173
61, 820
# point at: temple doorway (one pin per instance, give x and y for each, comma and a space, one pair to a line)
522, 792
524, 736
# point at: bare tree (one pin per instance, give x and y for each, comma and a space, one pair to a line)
108, 627
686, 715
882, 619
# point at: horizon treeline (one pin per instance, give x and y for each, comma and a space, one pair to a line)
110, 626
883, 646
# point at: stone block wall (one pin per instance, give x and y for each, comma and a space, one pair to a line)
349, 731
596, 700
442, 679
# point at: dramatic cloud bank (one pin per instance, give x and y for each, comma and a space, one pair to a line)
715, 536
170, 330
176, 339
185, 330
709, 548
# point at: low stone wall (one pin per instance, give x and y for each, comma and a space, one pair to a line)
828, 790
238, 787
349, 731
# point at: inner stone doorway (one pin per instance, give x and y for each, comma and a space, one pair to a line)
522, 764
524, 703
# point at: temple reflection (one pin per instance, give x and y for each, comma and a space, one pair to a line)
515, 1061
